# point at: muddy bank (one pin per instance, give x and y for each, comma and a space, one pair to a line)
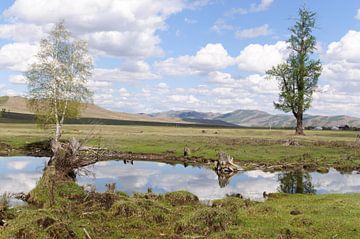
93, 155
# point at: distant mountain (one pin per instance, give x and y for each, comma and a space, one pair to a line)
186, 114
256, 118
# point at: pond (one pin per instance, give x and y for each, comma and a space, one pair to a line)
20, 174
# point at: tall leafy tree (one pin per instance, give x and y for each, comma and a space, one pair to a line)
57, 81
298, 76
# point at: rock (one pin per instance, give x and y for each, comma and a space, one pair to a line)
295, 212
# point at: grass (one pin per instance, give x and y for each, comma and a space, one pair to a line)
248, 146
148, 215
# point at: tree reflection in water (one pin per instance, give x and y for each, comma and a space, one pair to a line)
296, 182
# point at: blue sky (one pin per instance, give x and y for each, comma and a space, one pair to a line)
206, 55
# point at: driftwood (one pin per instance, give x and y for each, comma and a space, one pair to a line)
226, 164
226, 168
67, 157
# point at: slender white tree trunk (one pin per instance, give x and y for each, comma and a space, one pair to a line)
58, 132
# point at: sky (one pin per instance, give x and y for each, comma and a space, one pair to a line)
204, 55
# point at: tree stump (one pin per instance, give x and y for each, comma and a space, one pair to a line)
187, 152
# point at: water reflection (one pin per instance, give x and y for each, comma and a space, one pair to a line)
296, 182
20, 174
207, 185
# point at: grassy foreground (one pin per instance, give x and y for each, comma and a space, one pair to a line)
317, 149
76, 213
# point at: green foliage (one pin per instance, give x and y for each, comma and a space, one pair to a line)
298, 77
58, 78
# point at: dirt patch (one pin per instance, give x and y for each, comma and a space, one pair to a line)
38, 149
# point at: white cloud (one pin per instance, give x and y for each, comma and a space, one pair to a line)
260, 7
263, 30
264, 5
347, 49
190, 21
342, 63
117, 28
220, 25
358, 15
186, 99
21, 32
17, 56
211, 57
129, 71
259, 58
218, 77
18, 79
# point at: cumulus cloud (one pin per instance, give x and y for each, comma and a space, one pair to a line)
119, 28
209, 58
21, 32
342, 63
17, 56
263, 30
259, 58
218, 77
347, 49
129, 71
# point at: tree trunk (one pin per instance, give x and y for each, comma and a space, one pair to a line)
58, 132
299, 125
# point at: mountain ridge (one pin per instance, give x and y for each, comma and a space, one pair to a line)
257, 118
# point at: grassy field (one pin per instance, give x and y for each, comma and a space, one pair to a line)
247, 146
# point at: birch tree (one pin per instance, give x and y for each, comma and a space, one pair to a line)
57, 81
298, 76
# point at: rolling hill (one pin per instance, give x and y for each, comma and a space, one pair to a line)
17, 106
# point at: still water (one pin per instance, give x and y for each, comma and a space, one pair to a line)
20, 174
